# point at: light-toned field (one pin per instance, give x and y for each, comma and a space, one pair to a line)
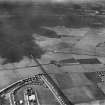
9, 73
75, 84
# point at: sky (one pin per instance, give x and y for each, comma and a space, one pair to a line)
56, 0
65, 1
70, 0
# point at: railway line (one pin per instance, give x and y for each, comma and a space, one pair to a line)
37, 79
59, 95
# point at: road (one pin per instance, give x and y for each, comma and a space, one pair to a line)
35, 79
59, 95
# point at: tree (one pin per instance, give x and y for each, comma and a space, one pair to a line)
2, 100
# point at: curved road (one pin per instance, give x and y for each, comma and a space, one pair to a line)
59, 95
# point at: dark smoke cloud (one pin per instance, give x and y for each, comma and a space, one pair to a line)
16, 39
19, 21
